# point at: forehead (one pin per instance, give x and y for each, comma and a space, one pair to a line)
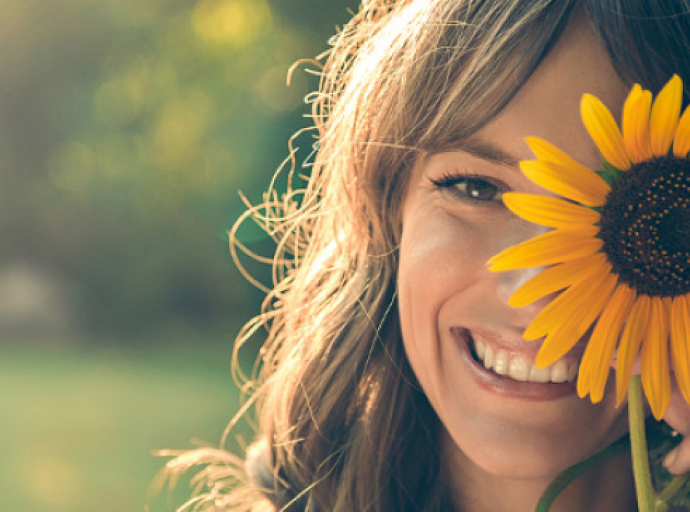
548, 105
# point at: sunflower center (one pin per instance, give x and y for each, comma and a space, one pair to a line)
645, 227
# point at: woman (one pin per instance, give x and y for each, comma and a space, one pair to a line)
395, 376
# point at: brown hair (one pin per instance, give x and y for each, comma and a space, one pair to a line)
343, 424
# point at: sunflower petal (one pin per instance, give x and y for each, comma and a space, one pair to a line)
604, 131
664, 117
681, 140
586, 187
680, 334
592, 302
656, 380
630, 342
583, 382
549, 211
629, 121
547, 249
644, 108
556, 278
635, 124
547, 152
567, 304
596, 361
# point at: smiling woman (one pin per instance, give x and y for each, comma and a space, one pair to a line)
396, 375
506, 417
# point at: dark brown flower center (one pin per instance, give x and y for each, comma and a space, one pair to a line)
645, 226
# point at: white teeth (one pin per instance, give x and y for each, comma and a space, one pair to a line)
540, 374
480, 349
518, 368
501, 362
559, 371
488, 357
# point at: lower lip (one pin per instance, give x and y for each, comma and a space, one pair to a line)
506, 386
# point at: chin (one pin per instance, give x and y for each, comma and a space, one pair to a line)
532, 440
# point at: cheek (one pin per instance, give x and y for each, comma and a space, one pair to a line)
442, 275
439, 251
439, 261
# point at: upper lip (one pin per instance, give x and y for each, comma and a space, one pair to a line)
517, 344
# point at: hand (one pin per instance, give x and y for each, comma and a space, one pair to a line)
677, 461
678, 417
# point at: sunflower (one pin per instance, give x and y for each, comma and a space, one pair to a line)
619, 253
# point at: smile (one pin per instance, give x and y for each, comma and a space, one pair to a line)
517, 367
506, 367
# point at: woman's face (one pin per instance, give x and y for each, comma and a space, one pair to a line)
451, 305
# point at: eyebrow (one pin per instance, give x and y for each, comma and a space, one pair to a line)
481, 149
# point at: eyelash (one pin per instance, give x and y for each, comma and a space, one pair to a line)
449, 181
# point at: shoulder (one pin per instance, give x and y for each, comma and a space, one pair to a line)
277, 492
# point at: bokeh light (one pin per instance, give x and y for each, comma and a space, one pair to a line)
231, 22
127, 128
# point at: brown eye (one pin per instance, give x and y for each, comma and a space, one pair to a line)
476, 188
471, 188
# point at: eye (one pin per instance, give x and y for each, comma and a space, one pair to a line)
473, 188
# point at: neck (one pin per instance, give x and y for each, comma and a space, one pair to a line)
609, 486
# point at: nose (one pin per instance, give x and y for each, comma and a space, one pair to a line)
509, 281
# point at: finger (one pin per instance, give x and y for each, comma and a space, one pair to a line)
677, 461
678, 413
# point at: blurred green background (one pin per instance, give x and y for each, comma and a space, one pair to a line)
127, 128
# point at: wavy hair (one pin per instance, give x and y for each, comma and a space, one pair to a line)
343, 424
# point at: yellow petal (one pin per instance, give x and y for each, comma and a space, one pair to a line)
596, 361
573, 327
549, 211
547, 152
680, 337
664, 116
547, 249
636, 124
629, 121
681, 141
629, 345
586, 187
556, 278
643, 142
604, 131
583, 382
656, 379
567, 304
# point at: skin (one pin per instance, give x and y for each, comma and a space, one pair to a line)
678, 416
497, 437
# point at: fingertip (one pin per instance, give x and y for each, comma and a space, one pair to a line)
677, 461
670, 459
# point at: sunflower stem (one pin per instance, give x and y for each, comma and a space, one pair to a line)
673, 488
638, 446
569, 475
661, 506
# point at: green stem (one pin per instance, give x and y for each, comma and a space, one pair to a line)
674, 487
661, 506
638, 446
570, 474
